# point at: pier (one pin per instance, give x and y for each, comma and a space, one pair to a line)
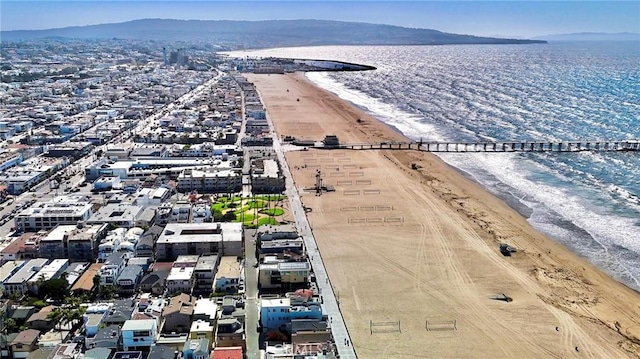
564, 146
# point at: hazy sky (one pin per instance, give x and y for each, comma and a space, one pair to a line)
484, 18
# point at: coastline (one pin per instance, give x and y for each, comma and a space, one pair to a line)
447, 244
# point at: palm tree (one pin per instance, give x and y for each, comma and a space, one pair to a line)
56, 317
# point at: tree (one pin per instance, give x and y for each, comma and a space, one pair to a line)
55, 289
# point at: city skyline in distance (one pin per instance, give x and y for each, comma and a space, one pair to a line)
523, 19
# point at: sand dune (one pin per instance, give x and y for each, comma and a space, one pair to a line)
422, 245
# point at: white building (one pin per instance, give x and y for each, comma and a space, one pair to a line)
47, 215
199, 238
17, 283
277, 313
49, 271
210, 181
139, 334
180, 280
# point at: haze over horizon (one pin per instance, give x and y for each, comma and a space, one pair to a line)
522, 19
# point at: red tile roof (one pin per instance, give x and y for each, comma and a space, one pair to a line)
227, 353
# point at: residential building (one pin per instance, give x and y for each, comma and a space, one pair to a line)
112, 268
266, 177
51, 270
7, 270
120, 312
147, 243
47, 215
277, 313
154, 282
180, 212
196, 349
180, 280
227, 278
24, 343
211, 181
75, 242
40, 320
227, 353
202, 330
204, 273
177, 314
17, 283
129, 279
163, 352
173, 341
199, 238
310, 332
230, 333
206, 310
106, 337
22, 248
139, 334
117, 215
85, 284
287, 275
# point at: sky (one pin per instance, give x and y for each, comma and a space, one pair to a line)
482, 18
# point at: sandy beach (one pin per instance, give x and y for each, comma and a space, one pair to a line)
420, 247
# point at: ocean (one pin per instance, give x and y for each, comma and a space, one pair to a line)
588, 201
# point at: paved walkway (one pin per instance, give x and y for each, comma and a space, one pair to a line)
338, 327
252, 302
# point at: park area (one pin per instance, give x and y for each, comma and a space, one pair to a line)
251, 211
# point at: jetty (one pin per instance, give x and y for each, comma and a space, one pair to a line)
331, 142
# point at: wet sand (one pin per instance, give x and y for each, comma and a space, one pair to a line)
421, 245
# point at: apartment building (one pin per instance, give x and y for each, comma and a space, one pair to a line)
59, 211
199, 238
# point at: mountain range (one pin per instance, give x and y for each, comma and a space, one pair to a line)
261, 34
592, 36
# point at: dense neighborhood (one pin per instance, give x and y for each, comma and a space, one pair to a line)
142, 209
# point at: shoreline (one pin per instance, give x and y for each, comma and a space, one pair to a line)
550, 284
557, 227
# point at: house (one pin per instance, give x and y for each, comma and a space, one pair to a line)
17, 283
162, 352
40, 320
139, 334
177, 314
24, 343
206, 310
230, 333
196, 349
86, 283
98, 353
173, 341
201, 329
146, 246
204, 273
120, 312
112, 268
154, 282
180, 277
309, 332
227, 353
277, 313
129, 279
106, 337
286, 275
227, 278
21, 313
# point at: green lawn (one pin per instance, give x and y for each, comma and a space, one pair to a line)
245, 209
273, 212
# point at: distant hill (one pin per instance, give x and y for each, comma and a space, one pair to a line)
592, 36
260, 34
